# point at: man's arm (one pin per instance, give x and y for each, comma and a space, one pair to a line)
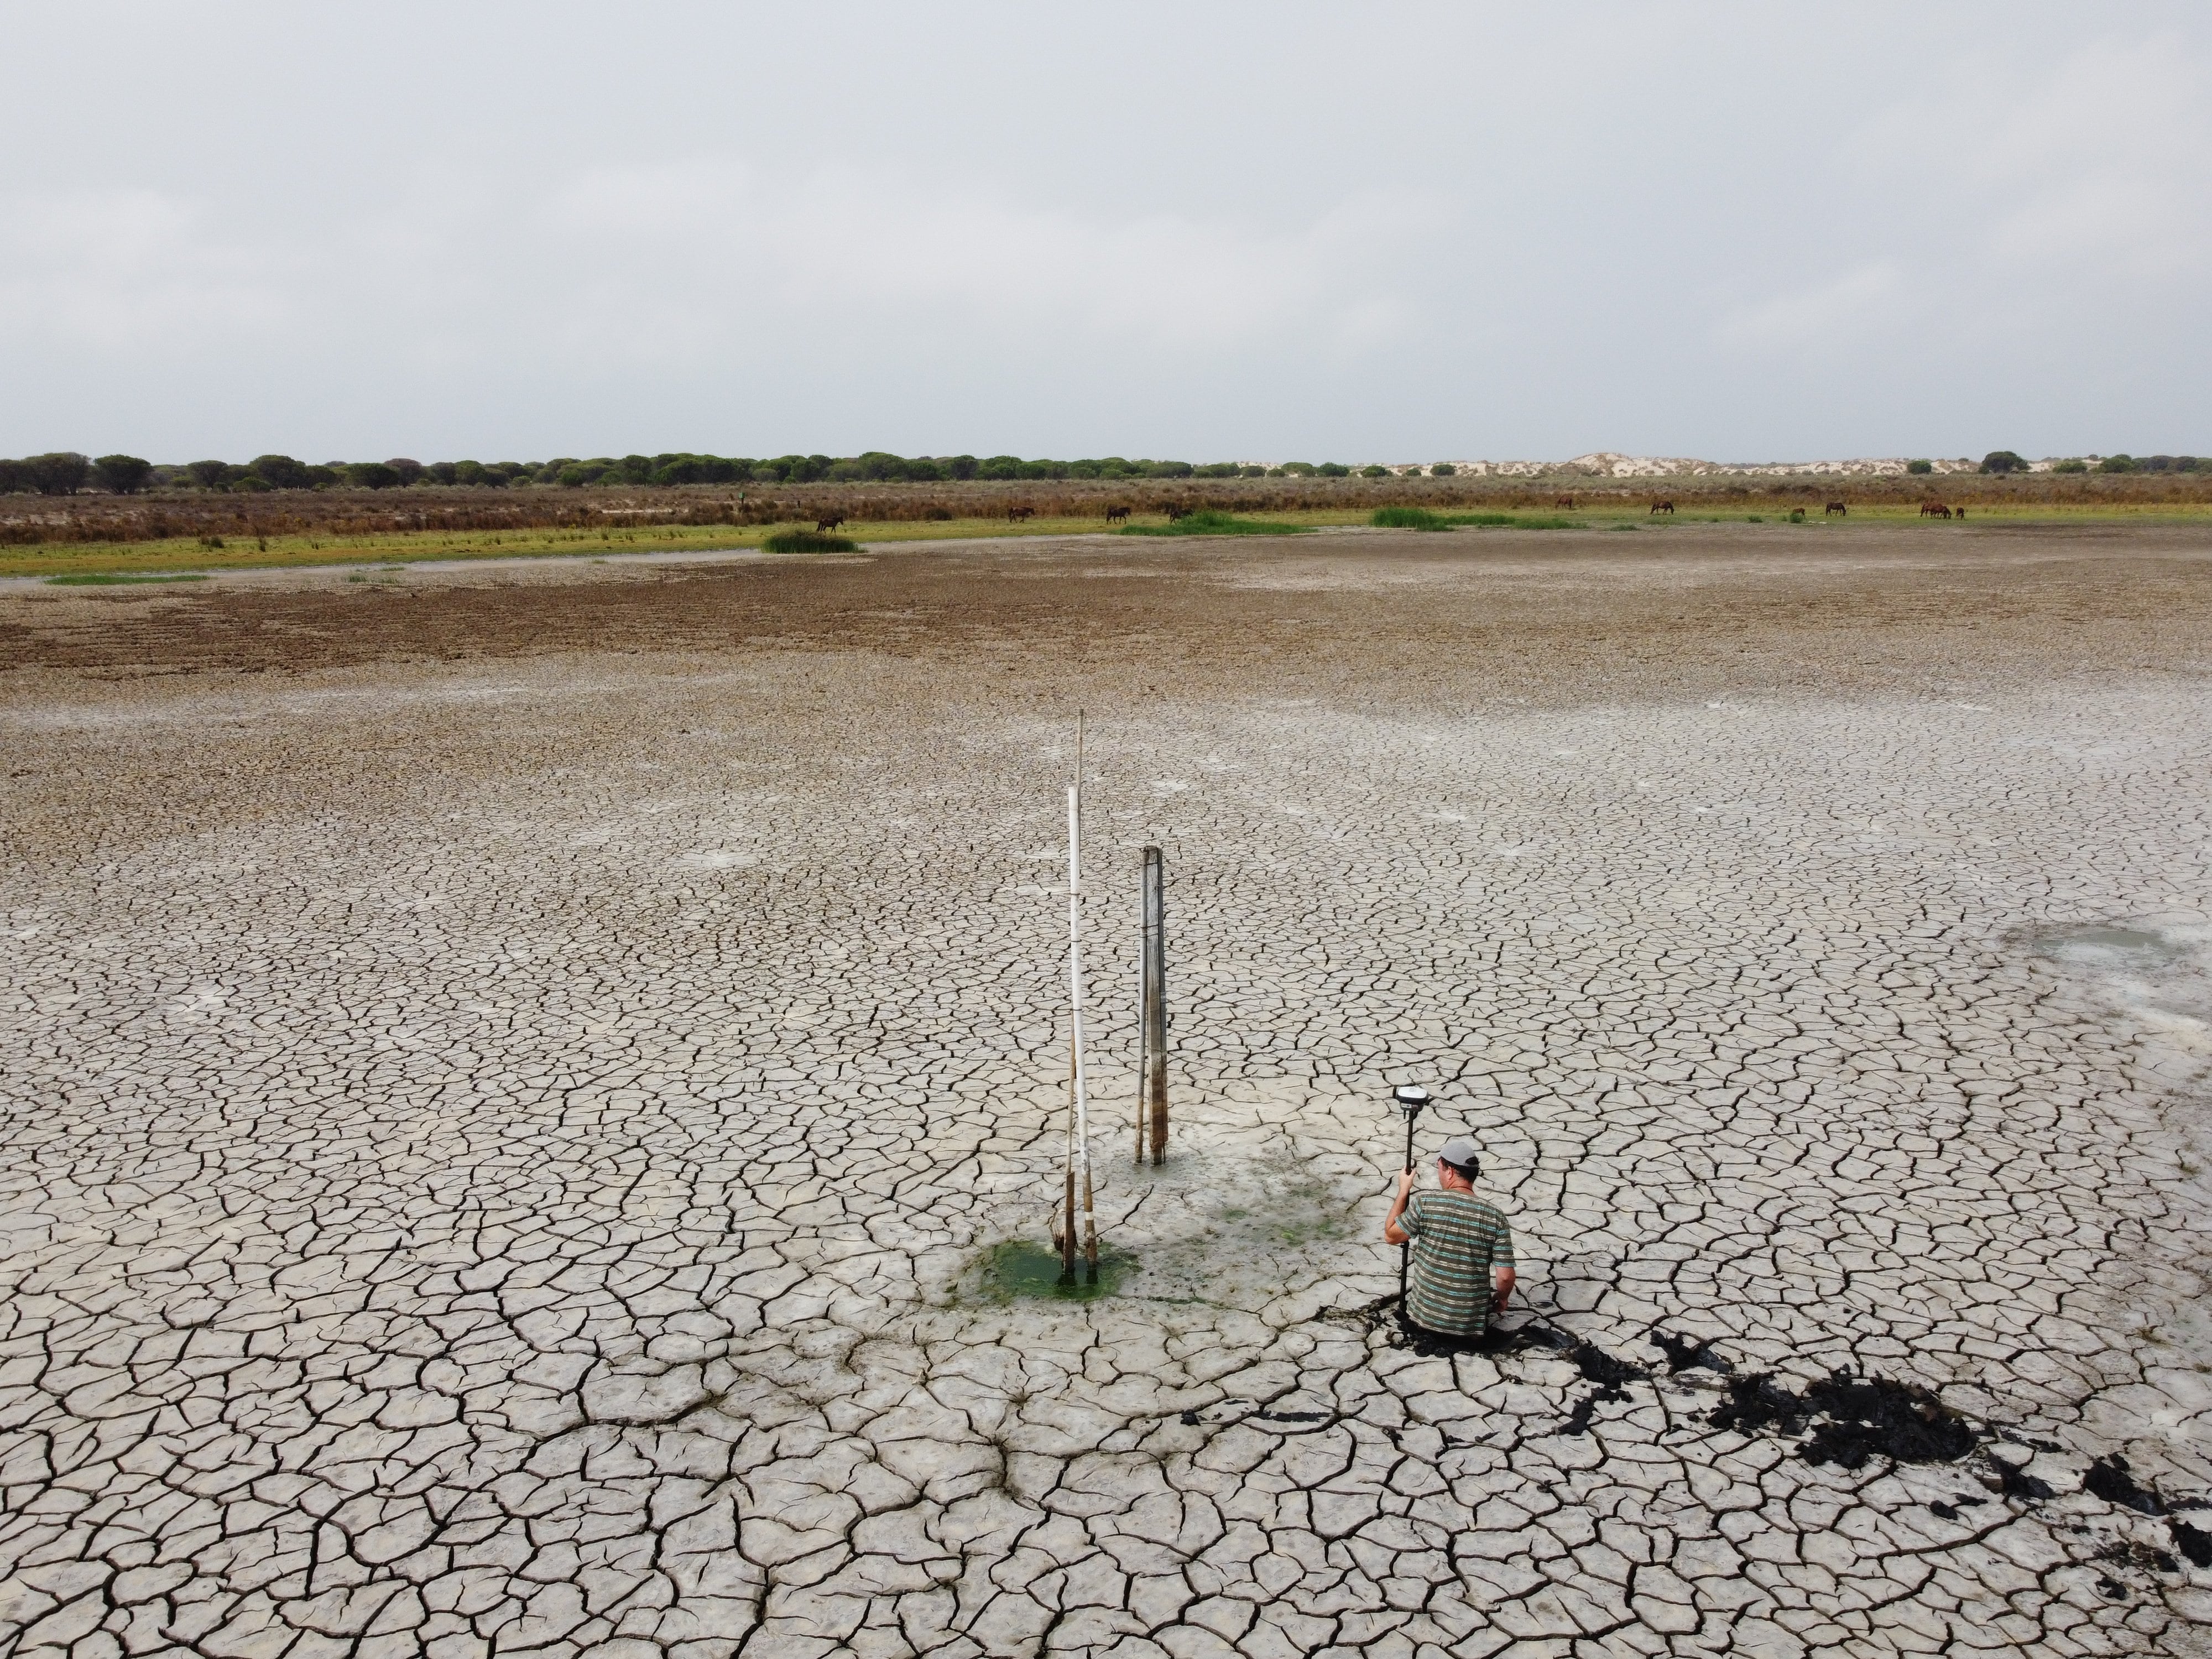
1501, 1287
1391, 1231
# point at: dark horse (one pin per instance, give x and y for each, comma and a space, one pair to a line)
1835, 509
1933, 510
1016, 515
1117, 515
823, 526
1175, 513
1666, 507
1567, 502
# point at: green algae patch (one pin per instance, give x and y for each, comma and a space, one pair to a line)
1021, 1270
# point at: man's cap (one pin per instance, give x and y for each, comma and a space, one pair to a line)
1461, 1151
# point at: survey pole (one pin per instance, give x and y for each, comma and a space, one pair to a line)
1153, 1103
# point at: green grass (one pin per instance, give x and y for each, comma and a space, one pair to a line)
109, 579
808, 541
1215, 523
1418, 518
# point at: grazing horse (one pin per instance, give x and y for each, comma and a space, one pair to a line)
828, 522
1016, 515
1835, 510
1958, 512
1567, 502
1117, 515
1175, 513
1933, 510
1666, 507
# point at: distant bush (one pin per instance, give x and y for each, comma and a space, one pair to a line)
408, 472
2116, 464
1416, 518
1920, 467
280, 472
212, 475
1333, 470
101, 578
251, 483
1443, 470
1254, 473
2070, 466
1297, 469
1216, 470
125, 475
1215, 524
2001, 461
808, 541
1374, 472
372, 475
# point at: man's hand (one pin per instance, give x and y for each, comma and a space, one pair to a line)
1405, 1183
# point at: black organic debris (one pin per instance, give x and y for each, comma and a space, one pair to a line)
1602, 1368
2017, 1483
1685, 1352
2140, 1556
2195, 1545
1853, 1419
1756, 1402
1578, 1420
2108, 1479
1866, 1417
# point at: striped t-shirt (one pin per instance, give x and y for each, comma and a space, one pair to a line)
1457, 1239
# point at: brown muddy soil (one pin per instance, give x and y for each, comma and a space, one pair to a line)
1468, 618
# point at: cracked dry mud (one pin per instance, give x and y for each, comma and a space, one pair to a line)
512, 1077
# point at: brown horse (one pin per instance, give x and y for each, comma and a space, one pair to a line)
1117, 515
1958, 512
1666, 507
1567, 502
1835, 510
1933, 510
1016, 515
829, 522
1175, 513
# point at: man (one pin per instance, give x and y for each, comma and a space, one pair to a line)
1462, 1270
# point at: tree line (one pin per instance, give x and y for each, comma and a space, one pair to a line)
65, 472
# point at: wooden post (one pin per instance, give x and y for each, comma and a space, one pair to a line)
1156, 1005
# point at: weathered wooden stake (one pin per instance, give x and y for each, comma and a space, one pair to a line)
1155, 1052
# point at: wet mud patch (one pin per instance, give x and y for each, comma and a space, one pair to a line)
1019, 1269
1212, 1227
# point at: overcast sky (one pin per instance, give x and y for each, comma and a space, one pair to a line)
1358, 232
